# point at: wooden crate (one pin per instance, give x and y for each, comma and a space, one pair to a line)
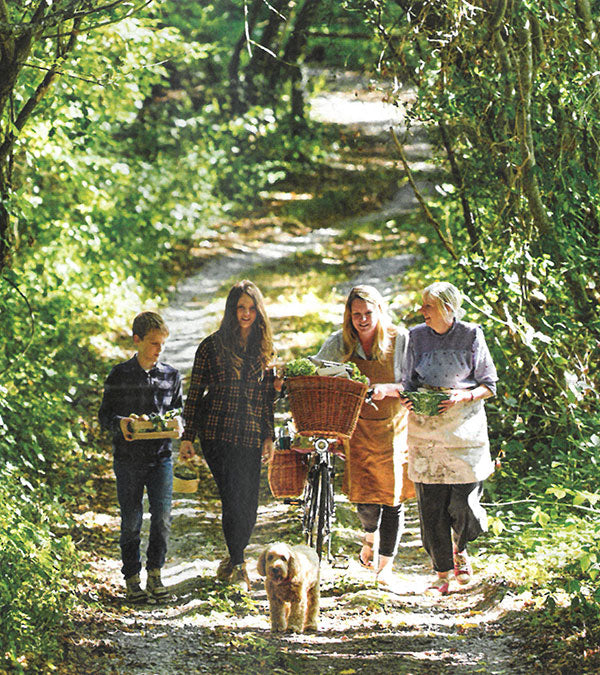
144, 431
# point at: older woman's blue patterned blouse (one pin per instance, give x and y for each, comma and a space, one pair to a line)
458, 359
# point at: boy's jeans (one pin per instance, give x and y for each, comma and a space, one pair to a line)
132, 478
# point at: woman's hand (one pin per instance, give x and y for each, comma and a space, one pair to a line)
406, 402
456, 396
186, 450
380, 391
268, 449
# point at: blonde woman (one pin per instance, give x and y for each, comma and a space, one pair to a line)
375, 470
449, 454
230, 407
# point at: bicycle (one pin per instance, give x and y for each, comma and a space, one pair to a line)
317, 500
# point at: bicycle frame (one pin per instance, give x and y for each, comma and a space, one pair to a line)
318, 498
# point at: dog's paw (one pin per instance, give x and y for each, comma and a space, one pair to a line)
294, 628
311, 628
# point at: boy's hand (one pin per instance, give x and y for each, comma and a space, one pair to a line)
186, 450
125, 424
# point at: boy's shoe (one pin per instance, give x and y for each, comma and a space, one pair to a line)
154, 585
225, 570
134, 592
462, 567
240, 577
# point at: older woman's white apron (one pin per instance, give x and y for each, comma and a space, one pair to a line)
450, 448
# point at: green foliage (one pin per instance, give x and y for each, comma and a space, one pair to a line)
300, 367
425, 402
37, 570
519, 235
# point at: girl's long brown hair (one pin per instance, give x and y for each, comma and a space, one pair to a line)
385, 329
260, 339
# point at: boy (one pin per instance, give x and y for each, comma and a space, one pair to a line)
141, 386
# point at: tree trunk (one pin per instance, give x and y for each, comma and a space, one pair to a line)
235, 85
295, 43
265, 55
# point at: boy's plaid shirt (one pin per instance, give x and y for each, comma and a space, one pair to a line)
224, 407
130, 389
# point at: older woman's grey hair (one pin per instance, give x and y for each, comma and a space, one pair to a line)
448, 299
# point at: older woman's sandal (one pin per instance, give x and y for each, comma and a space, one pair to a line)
368, 564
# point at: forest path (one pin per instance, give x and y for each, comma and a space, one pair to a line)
207, 628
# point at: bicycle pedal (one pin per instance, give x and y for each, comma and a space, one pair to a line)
340, 562
293, 502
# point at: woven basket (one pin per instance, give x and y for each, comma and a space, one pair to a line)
287, 473
185, 485
327, 406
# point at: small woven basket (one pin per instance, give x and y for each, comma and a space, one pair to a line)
185, 476
327, 406
185, 485
287, 473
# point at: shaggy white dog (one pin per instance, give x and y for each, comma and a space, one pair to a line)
292, 584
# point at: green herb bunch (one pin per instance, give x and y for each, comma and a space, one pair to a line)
303, 366
299, 367
159, 422
425, 402
185, 471
357, 375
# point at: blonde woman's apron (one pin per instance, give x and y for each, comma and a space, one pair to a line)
450, 448
376, 457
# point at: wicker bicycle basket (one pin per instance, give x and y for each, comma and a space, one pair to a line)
287, 473
322, 405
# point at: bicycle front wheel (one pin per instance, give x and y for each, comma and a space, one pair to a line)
324, 510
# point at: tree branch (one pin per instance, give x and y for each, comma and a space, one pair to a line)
430, 218
37, 96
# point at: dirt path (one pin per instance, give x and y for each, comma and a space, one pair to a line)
207, 628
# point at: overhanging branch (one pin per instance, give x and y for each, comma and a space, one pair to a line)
430, 218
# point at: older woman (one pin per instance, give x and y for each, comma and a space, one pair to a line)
449, 455
230, 407
376, 456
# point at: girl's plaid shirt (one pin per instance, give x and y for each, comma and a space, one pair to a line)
222, 406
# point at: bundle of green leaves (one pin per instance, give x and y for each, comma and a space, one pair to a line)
303, 367
185, 471
425, 402
300, 367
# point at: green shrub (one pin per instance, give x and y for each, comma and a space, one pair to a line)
36, 576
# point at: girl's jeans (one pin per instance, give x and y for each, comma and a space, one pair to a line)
157, 478
236, 471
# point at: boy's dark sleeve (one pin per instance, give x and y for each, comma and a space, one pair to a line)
109, 420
